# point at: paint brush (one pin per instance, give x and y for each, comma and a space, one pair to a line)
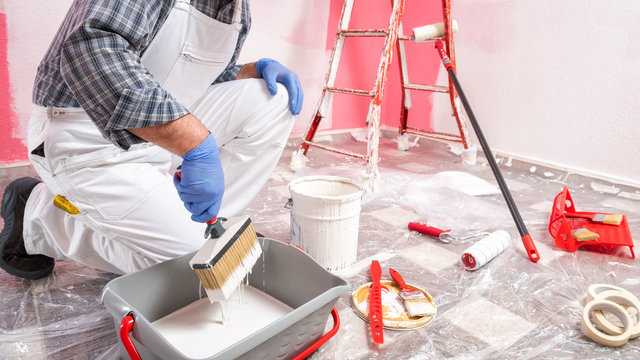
222, 263
598, 218
583, 234
416, 303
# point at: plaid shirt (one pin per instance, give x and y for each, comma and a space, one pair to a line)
94, 63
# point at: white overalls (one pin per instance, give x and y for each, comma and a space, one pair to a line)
131, 216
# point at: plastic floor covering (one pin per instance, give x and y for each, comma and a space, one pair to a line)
510, 308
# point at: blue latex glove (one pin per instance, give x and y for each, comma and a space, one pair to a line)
201, 184
272, 71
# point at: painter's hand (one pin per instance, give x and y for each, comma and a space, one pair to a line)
201, 182
272, 71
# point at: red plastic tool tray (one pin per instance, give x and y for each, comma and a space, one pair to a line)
561, 226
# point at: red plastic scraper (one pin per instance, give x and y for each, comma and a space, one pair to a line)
375, 303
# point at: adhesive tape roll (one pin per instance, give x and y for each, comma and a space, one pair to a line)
620, 298
597, 335
596, 289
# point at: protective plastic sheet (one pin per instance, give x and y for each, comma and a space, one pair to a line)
510, 308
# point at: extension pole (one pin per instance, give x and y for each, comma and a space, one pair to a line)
527, 241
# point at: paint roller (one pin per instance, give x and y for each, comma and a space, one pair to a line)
432, 31
527, 241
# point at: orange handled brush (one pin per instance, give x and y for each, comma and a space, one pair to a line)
414, 300
598, 218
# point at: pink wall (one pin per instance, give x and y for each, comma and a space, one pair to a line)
361, 56
11, 148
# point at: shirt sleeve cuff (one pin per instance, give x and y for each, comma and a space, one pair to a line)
229, 74
139, 108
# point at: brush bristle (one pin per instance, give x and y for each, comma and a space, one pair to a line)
583, 234
224, 276
416, 303
612, 219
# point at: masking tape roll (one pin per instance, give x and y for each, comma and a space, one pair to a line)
432, 31
620, 298
597, 335
596, 289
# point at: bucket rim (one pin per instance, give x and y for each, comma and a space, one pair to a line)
326, 177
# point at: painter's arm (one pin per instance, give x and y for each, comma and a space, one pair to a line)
248, 71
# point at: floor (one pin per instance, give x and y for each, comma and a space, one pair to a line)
509, 308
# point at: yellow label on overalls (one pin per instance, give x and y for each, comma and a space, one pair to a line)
61, 202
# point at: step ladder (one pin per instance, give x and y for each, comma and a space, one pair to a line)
404, 129
392, 36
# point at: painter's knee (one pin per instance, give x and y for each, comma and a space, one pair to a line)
282, 97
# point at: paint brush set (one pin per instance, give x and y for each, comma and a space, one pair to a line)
416, 308
572, 229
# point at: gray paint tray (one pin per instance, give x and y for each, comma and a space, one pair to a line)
289, 275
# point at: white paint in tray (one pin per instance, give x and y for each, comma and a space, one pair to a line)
198, 330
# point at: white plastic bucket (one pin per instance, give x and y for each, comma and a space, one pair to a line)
325, 214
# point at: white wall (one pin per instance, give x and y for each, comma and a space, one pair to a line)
31, 26
554, 81
551, 81
294, 33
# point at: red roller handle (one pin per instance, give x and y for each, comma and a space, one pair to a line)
443, 56
530, 246
427, 230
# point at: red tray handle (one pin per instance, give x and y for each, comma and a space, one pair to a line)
323, 339
127, 324
125, 328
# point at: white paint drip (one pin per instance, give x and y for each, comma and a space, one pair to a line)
298, 160
629, 195
393, 308
533, 169
607, 189
199, 330
360, 135
548, 174
463, 182
456, 148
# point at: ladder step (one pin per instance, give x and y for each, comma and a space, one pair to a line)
433, 134
336, 150
436, 88
363, 33
350, 91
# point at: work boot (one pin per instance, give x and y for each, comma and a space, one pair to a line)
13, 255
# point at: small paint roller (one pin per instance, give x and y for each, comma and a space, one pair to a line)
480, 253
432, 31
